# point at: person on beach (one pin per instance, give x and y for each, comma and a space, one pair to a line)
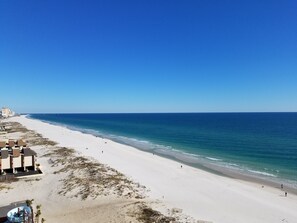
286, 194
282, 186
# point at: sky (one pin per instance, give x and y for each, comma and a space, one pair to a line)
81, 56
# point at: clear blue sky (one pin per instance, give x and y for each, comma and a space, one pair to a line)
148, 56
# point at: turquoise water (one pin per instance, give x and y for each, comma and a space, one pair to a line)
264, 144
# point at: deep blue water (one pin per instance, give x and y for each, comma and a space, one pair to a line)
259, 143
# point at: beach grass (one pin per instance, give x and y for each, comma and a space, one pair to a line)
5, 187
90, 179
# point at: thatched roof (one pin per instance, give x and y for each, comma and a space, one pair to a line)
21, 142
11, 143
2, 144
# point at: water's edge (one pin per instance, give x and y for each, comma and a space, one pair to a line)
208, 164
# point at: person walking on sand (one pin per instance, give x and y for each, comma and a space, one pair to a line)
286, 194
282, 186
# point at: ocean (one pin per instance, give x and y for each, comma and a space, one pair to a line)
263, 145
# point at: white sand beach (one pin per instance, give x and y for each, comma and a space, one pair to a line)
200, 194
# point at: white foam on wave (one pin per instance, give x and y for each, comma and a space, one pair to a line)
213, 159
131, 139
262, 173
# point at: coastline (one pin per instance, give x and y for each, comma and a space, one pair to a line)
184, 158
200, 194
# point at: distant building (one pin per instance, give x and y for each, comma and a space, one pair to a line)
6, 112
15, 157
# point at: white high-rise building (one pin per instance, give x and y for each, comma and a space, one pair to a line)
6, 112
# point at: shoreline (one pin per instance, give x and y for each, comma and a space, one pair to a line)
202, 192
202, 164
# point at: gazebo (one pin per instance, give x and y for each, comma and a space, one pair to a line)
20, 214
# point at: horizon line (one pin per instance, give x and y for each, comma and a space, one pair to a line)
211, 112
